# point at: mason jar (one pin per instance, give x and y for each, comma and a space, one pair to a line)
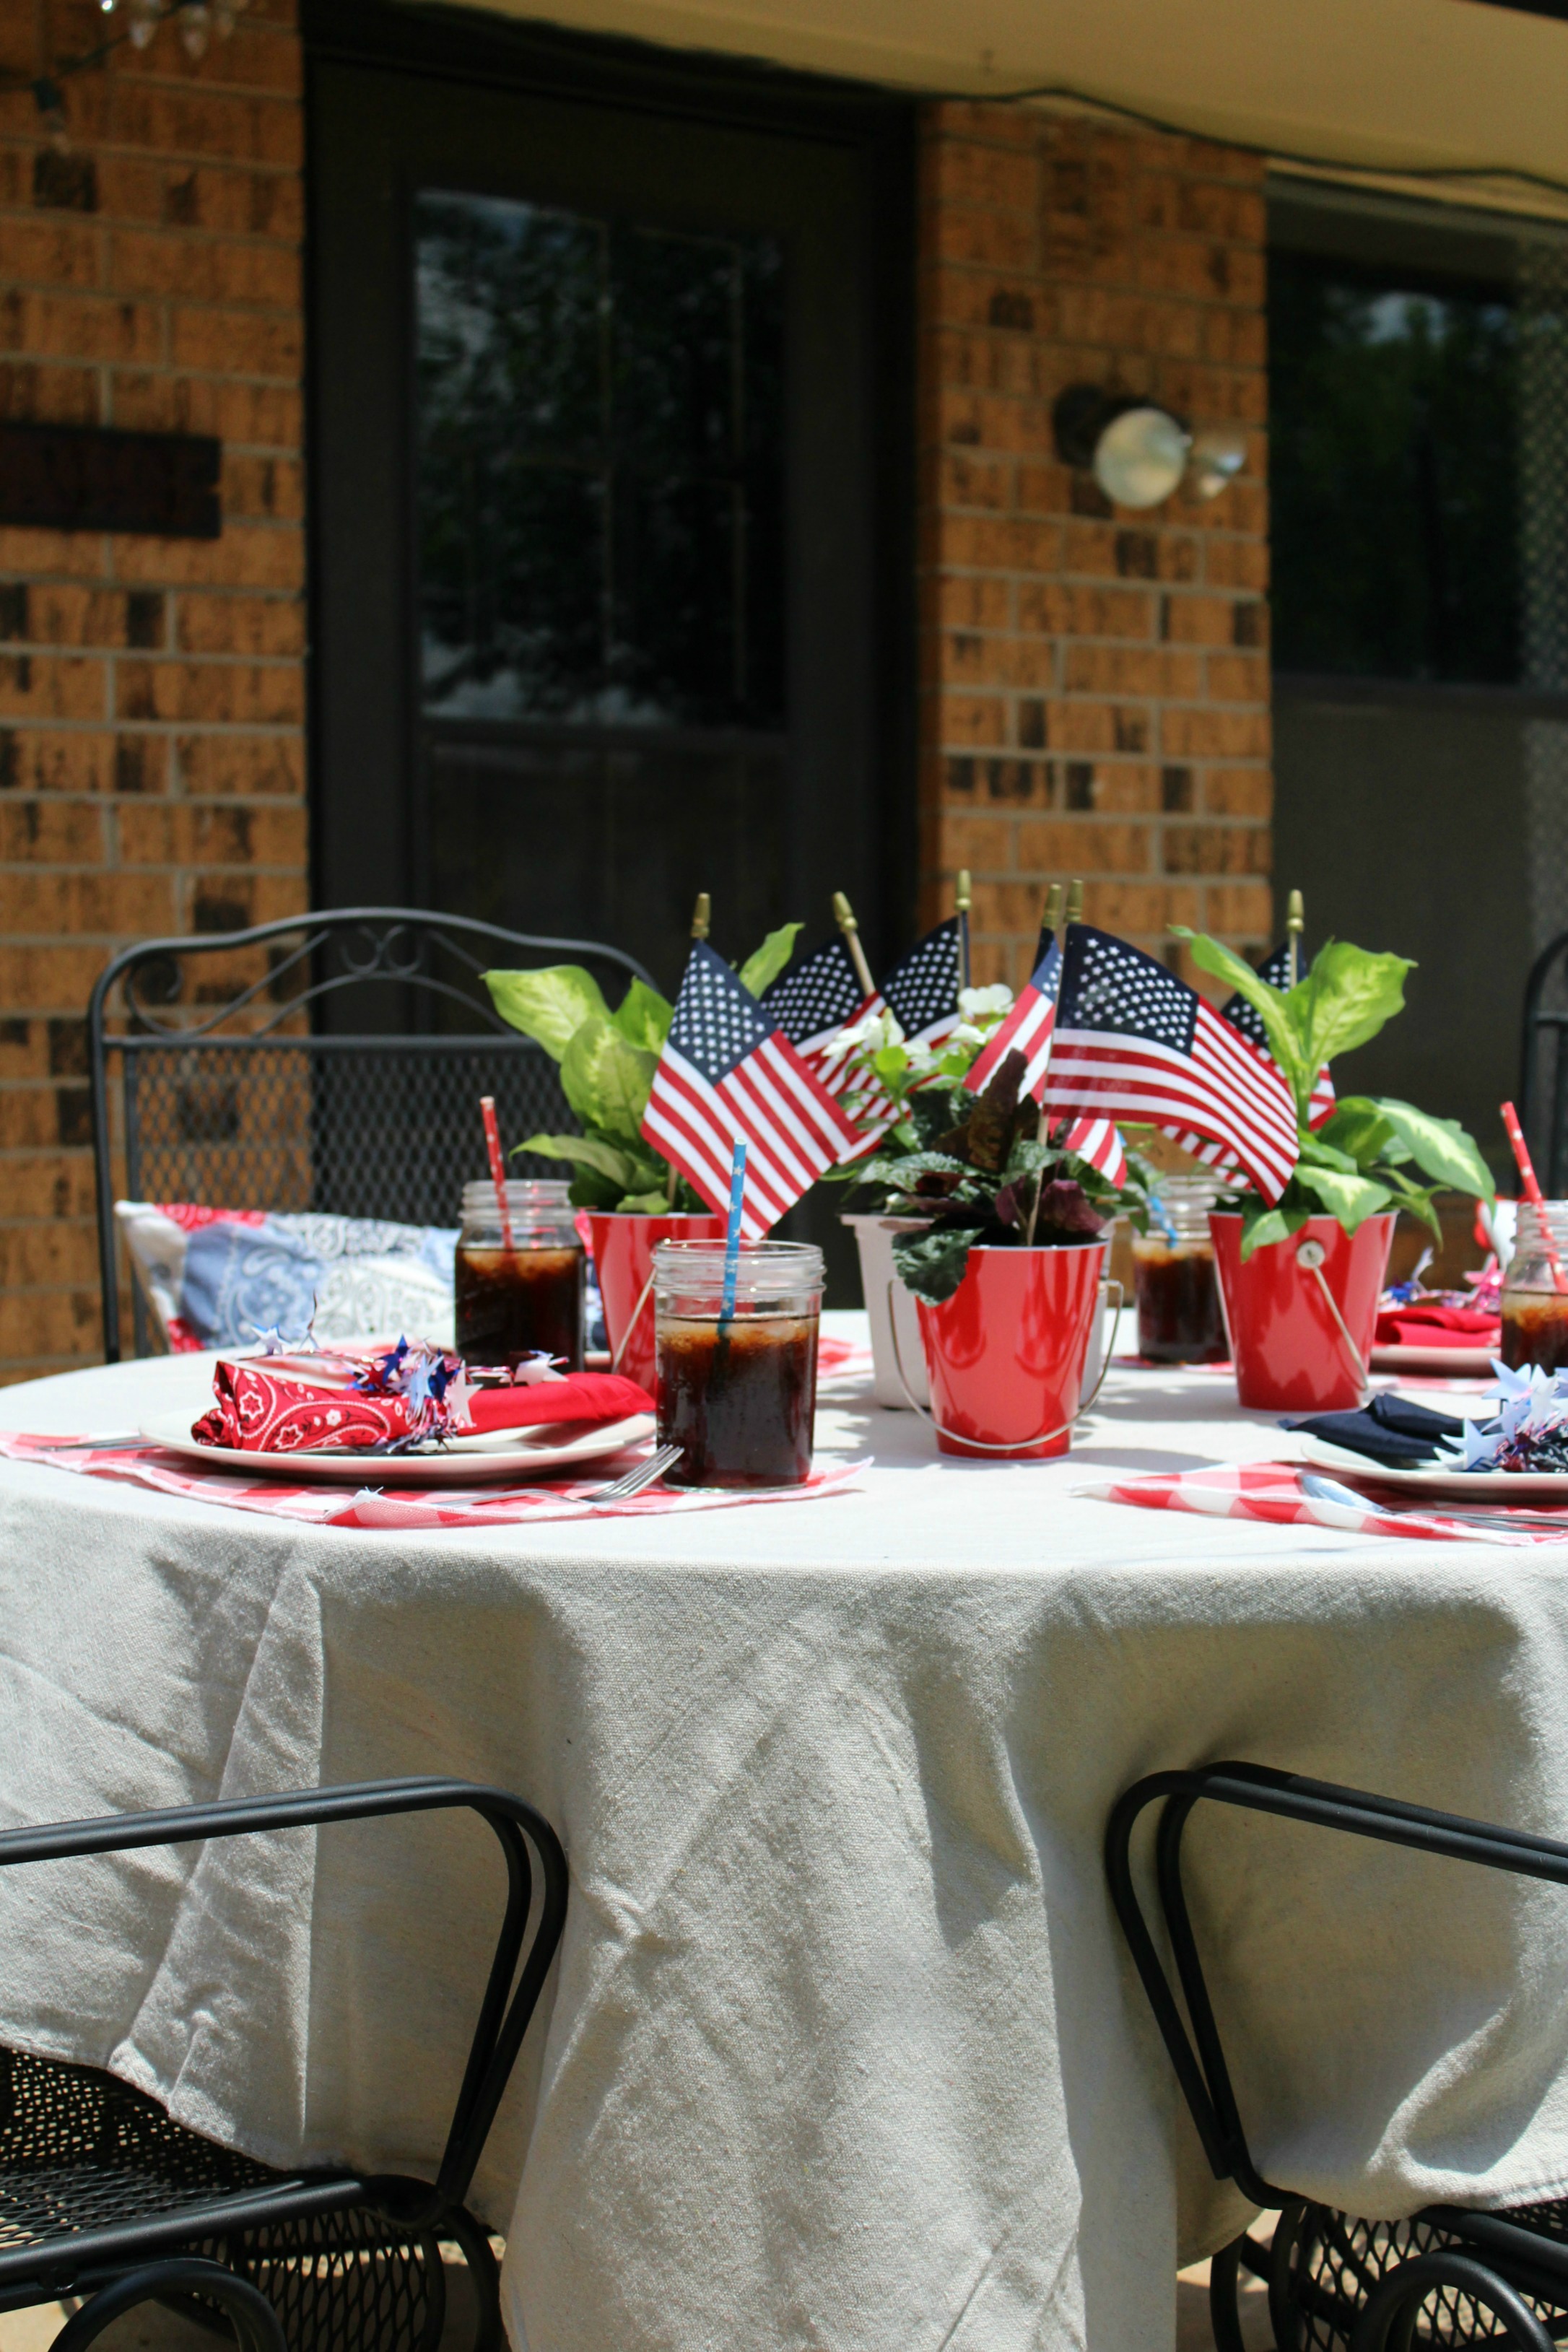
737, 1391
1179, 1316
523, 1291
1534, 1310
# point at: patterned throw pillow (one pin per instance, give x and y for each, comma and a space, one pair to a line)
216, 1277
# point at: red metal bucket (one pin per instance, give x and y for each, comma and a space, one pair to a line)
623, 1244
1290, 1352
1005, 1354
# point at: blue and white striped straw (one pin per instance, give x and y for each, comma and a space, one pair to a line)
733, 1238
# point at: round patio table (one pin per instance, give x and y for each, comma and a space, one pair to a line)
842, 2053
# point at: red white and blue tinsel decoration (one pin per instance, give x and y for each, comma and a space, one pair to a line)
1529, 1428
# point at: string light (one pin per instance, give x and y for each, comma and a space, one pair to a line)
196, 18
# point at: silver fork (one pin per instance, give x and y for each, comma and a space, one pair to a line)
633, 1481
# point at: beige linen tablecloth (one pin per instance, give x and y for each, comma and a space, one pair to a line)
843, 2054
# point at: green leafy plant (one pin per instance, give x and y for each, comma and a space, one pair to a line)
973, 1164
1358, 1162
607, 1061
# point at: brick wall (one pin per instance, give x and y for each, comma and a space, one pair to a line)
152, 691
1095, 682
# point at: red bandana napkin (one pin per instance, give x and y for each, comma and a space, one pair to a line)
261, 1408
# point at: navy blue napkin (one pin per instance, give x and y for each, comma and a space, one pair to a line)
1389, 1430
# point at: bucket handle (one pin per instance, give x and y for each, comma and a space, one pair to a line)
1021, 1444
1309, 1257
631, 1327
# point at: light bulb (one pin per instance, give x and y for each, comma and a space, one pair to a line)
1219, 453
195, 20
1141, 456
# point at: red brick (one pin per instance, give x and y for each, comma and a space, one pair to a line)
232, 765
1237, 791
222, 693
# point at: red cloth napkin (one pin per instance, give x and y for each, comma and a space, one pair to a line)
260, 1410
1423, 1324
581, 1396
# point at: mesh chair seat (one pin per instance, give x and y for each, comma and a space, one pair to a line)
104, 2195
1450, 2274
1324, 2265
81, 2151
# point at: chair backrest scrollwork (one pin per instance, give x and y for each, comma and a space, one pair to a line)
329, 1062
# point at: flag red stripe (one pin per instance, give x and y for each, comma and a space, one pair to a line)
1268, 1111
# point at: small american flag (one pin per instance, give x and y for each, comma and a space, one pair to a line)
1276, 971
922, 990
1028, 1030
727, 1074
1320, 1103
813, 1004
1133, 1041
1097, 1141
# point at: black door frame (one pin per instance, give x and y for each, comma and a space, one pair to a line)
461, 45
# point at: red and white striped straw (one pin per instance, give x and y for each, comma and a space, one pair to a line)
498, 1166
1532, 1193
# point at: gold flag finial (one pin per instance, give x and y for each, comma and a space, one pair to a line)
1295, 924
1075, 902
701, 916
1053, 919
962, 891
844, 916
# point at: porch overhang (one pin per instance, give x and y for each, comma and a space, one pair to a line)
1395, 89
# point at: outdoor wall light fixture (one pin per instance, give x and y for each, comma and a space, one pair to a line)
1139, 453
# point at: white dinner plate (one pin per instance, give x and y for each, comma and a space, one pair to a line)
497, 1454
1489, 1489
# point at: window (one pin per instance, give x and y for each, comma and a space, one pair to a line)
1393, 419
600, 468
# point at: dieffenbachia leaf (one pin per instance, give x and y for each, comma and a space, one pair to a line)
1269, 1005
1345, 998
550, 1005
643, 1018
625, 1168
606, 1080
1351, 1199
1440, 1147
1260, 1226
763, 965
1358, 1130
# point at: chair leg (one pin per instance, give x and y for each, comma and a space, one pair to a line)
255, 2322
1225, 2320
474, 2240
1387, 2322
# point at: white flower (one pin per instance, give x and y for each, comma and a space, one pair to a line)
977, 1003
870, 1035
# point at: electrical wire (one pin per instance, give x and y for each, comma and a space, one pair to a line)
46, 89
1065, 94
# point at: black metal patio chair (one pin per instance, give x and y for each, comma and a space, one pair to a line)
104, 2197
331, 1062
1448, 2275
1543, 1065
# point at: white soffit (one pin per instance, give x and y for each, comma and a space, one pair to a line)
1383, 87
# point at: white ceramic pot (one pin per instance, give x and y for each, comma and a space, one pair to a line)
874, 1236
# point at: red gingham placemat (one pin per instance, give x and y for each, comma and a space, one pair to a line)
1273, 1491
406, 1507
